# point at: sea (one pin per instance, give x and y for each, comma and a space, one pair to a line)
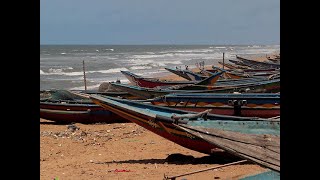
61, 66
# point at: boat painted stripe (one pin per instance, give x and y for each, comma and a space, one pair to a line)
143, 120
203, 104
63, 112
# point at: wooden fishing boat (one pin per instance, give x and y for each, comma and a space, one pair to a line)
233, 74
264, 105
266, 86
160, 121
197, 77
179, 72
258, 63
240, 63
274, 60
154, 82
65, 107
72, 94
246, 70
256, 143
231, 66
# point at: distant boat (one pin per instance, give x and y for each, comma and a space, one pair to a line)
154, 82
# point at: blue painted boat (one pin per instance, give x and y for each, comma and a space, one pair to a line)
204, 132
64, 106
255, 86
183, 74
252, 104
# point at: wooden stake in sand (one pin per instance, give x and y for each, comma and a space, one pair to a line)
84, 77
222, 60
194, 172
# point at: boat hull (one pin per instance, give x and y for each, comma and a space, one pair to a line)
245, 112
165, 130
77, 113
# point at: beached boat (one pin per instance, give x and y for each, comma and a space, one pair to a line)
274, 60
74, 94
240, 63
154, 82
231, 66
160, 120
238, 74
256, 143
65, 107
183, 74
254, 105
259, 63
266, 86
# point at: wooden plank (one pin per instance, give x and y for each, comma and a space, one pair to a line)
253, 147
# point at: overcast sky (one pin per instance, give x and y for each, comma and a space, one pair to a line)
160, 22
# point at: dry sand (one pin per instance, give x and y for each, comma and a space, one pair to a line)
123, 151
104, 151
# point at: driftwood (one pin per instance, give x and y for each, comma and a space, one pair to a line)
259, 148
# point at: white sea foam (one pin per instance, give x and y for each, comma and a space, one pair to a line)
80, 73
140, 67
220, 47
70, 73
88, 87
109, 49
110, 70
63, 53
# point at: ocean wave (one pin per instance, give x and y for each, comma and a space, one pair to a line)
109, 49
151, 56
220, 47
80, 73
109, 70
63, 53
140, 67
88, 87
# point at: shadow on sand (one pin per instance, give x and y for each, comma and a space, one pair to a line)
180, 159
55, 123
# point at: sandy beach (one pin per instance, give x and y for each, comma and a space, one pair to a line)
124, 151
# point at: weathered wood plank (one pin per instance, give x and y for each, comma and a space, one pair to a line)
249, 146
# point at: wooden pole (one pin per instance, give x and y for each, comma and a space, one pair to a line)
223, 61
194, 172
84, 77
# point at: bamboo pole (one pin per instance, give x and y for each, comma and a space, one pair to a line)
223, 61
216, 167
84, 77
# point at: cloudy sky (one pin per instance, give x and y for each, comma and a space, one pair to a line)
160, 22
